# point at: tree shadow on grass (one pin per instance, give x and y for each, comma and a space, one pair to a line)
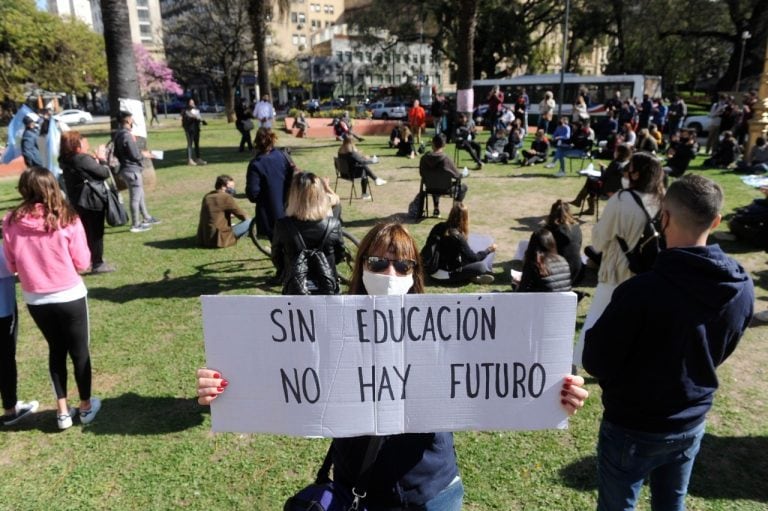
726, 468
213, 155
210, 279
175, 243
528, 224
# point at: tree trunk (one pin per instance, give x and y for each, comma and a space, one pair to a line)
465, 45
121, 66
229, 97
258, 12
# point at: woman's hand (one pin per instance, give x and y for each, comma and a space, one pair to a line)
492, 248
573, 393
209, 385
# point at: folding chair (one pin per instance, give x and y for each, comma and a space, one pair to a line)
438, 183
344, 172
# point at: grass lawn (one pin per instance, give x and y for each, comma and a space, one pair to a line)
151, 446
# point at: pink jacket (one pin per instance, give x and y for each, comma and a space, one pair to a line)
46, 262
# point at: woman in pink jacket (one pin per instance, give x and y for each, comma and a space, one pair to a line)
45, 244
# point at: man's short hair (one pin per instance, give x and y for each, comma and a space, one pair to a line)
123, 115
438, 141
222, 180
694, 201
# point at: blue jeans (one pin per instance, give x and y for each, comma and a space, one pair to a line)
240, 229
626, 457
450, 499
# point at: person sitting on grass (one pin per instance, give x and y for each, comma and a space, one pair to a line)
495, 149
538, 151
544, 271
567, 233
215, 229
757, 161
457, 262
406, 147
726, 152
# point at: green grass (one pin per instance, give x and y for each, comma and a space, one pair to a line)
151, 446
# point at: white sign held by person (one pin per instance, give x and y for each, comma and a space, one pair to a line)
338, 366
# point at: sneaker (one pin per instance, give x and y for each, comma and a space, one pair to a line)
549, 165
479, 166
191, 162
380, 181
152, 220
200, 161
436, 212
23, 409
87, 416
367, 196
64, 420
560, 173
103, 268
141, 228
485, 279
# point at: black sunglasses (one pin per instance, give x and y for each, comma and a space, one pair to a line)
380, 264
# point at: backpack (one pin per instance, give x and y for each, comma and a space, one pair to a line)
642, 256
111, 158
310, 273
430, 256
416, 206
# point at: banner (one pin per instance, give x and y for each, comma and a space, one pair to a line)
337, 366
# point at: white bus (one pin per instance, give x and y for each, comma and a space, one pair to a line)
597, 88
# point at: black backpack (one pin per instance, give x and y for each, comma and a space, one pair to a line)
310, 273
750, 223
430, 256
643, 255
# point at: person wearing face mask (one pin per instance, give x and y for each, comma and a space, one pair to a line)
612, 179
413, 471
622, 218
131, 168
215, 229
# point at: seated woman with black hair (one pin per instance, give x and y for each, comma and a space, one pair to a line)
406, 147
544, 271
448, 256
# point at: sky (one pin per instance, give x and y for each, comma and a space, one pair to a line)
41, 4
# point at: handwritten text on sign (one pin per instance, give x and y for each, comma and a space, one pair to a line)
340, 366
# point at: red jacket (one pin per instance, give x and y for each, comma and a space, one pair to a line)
416, 117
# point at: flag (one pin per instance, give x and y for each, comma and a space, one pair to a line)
15, 130
52, 144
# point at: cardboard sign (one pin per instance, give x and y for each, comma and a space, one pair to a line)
338, 366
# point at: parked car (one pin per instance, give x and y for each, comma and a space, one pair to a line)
211, 108
390, 110
74, 116
335, 104
174, 106
700, 123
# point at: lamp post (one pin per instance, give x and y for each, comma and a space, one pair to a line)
744, 36
561, 95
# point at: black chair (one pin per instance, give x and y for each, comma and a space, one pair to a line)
343, 171
583, 155
438, 183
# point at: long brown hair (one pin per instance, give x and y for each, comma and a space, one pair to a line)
541, 250
387, 237
264, 140
38, 185
458, 219
560, 214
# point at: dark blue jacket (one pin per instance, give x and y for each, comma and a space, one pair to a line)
29, 149
127, 152
410, 469
657, 345
267, 182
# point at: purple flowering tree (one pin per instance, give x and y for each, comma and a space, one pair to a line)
155, 77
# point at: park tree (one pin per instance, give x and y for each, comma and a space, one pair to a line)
155, 77
40, 48
211, 39
261, 12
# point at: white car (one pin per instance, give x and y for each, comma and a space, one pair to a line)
74, 116
700, 123
389, 110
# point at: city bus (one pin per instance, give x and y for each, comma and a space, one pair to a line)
597, 88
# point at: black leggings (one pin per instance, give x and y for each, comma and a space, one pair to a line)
93, 223
65, 328
8, 376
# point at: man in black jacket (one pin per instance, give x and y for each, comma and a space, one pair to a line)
662, 337
436, 162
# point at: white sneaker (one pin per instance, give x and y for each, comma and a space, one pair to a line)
64, 420
380, 181
560, 174
484, 279
550, 165
86, 417
23, 409
367, 196
141, 228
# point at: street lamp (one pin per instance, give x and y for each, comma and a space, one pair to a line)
744, 36
562, 63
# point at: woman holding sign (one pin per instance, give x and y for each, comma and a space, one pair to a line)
413, 470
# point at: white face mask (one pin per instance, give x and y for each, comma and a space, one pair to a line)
382, 284
625, 182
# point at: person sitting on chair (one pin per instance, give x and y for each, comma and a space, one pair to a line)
215, 229
609, 181
358, 166
437, 162
465, 139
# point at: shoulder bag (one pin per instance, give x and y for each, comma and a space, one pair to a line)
115, 213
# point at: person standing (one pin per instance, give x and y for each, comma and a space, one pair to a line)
264, 112
191, 120
546, 111
29, 149
417, 121
45, 243
438, 109
215, 229
131, 168
669, 328
495, 104
79, 167
153, 111
677, 113
716, 112
13, 411
244, 124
